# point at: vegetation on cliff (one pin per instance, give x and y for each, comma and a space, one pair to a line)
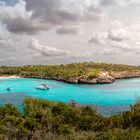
45, 120
69, 72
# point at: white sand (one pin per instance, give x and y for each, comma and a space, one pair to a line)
13, 76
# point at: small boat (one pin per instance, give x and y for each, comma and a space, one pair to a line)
9, 89
43, 87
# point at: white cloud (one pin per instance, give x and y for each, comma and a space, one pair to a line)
98, 38
109, 52
118, 34
61, 12
18, 20
134, 3
15, 49
119, 3
32, 16
134, 28
113, 25
46, 50
121, 45
116, 24
124, 38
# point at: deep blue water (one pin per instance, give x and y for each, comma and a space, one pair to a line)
110, 98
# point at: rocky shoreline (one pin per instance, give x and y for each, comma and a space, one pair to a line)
103, 78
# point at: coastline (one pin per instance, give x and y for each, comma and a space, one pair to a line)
7, 77
76, 73
103, 78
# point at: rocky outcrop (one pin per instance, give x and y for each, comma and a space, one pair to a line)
105, 78
87, 81
125, 74
102, 78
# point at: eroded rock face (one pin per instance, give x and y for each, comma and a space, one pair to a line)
125, 74
103, 78
72, 81
86, 81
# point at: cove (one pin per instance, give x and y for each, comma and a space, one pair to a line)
109, 98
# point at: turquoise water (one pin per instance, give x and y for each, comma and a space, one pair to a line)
110, 98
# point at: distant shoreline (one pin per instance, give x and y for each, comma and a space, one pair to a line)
7, 77
104, 80
76, 73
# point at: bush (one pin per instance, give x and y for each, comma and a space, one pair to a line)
54, 121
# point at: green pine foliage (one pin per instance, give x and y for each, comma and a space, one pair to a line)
46, 120
67, 71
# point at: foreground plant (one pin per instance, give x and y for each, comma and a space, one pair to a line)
45, 120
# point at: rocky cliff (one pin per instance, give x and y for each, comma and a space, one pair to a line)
125, 74
102, 78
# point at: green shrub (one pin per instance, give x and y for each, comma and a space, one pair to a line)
54, 121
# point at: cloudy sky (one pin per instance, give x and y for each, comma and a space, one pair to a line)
65, 31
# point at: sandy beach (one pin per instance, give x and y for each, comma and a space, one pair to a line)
13, 76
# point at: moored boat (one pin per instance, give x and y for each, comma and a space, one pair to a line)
43, 87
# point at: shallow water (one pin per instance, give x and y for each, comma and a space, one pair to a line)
110, 98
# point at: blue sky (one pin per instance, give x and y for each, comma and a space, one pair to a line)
10, 2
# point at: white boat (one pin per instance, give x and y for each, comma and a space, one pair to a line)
43, 87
